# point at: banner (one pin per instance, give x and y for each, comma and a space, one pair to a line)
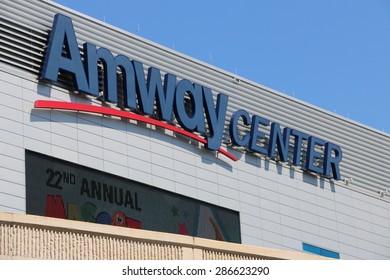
56, 188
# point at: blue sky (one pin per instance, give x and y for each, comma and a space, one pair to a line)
334, 54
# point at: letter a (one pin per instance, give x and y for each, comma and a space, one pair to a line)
62, 34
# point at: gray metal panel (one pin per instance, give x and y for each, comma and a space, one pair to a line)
366, 151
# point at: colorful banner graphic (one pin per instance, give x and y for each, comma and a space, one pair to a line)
56, 188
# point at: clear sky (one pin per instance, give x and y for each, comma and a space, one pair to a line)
334, 54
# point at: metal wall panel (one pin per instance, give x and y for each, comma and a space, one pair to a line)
25, 26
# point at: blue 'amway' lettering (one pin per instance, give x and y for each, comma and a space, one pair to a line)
169, 97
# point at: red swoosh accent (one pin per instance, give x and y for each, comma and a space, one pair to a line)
60, 105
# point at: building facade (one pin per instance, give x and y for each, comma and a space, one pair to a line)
102, 126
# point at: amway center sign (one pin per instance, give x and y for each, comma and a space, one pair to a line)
150, 96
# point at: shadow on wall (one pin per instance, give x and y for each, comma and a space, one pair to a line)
140, 128
183, 142
317, 181
308, 177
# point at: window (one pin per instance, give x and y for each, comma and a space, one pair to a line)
320, 251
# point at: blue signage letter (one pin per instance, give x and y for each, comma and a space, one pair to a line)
299, 136
332, 163
62, 35
233, 128
281, 142
189, 118
165, 95
147, 90
215, 118
256, 133
313, 156
110, 65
